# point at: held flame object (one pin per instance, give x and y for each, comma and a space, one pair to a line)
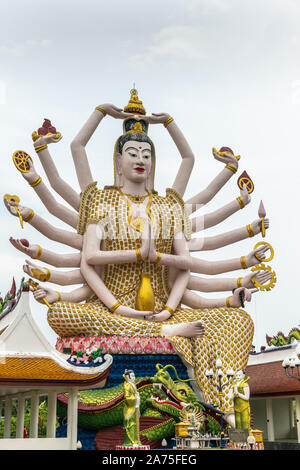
245, 179
262, 214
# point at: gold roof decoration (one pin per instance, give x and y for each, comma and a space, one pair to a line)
135, 105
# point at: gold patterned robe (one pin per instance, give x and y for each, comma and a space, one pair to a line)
229, 331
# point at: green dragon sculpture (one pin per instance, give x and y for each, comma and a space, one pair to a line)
281, 340
160, 397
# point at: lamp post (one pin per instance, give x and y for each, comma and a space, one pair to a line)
291, 367
215, 381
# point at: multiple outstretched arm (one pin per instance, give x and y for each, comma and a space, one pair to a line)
57, 183
196, 301
52, 296
55, 208
97, 285
45, 228
223, 266
59, 260
188, 159
227, 238
217, 183
211, 219
79, 143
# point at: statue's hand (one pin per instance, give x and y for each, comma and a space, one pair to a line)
21, 245
31, 175
36, 271
251, 259
46, 139
115, 112
12, 206
145, 241
245, 196
235, 300
132, 313
225, 157
152, 250
162, 316
261, 276
43, 292
157, 118
256, 225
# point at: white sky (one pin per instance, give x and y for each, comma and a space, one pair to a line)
227, 71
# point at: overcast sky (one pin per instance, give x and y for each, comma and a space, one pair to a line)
227, 71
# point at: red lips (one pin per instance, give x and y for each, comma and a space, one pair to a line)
139, 169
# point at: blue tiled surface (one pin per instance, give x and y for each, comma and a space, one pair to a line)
144, 365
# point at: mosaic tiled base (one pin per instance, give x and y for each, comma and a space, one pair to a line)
117, 344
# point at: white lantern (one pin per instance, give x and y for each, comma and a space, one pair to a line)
218, 363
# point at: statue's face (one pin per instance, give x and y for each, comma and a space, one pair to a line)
135, 162
131, 377
240, 375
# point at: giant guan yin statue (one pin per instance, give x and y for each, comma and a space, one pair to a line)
133, 248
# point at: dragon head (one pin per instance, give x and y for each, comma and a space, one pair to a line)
171, 396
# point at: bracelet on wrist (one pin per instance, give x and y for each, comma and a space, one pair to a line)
40, 275
239, 282
58, 296
241, 202
35, 182
29, 217
39, 148
99, 108
231, 168
168, 121
138, 255
158, 258
228, 302
39, 253
169, 309
115, 306
250, 230
243, 262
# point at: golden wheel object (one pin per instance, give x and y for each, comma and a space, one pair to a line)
271, 283
20, 159
265, 260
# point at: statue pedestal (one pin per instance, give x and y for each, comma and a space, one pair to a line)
141, 447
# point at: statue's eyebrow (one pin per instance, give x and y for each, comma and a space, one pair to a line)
134, 148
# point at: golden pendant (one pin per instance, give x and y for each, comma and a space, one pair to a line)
145, 295
138, 223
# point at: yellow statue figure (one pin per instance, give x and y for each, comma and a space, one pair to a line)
133, 250
240, 394
131, 422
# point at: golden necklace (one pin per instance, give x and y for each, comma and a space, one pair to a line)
135, 197
138, 222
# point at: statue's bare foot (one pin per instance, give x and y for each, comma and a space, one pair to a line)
194, 329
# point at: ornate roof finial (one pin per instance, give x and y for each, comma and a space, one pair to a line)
135, 105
